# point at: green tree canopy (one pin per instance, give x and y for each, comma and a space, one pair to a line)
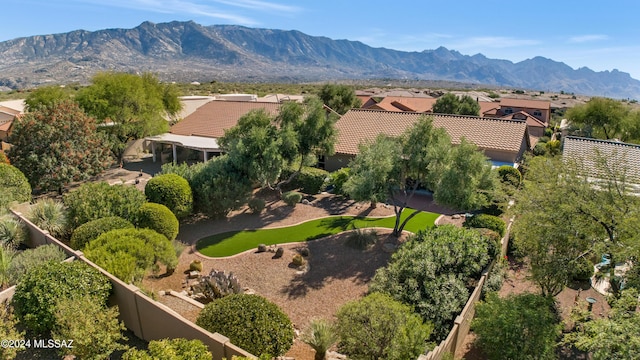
517, 327
46, 97
262, 146
131, 106
379, 327
603, 118
54, 146
450, 103
339, 98
430, 272
564, 212
394, 168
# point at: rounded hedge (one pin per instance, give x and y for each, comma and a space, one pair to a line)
14, 186
173, 191
40, 288
171, 349
250, 322
291, 198
91, 230
510, 175
488, 222
129, 253
92, 201
159, 218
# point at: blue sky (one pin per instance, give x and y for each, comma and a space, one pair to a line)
601, 36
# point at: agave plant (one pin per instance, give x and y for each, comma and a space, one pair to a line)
49, 215
12, 231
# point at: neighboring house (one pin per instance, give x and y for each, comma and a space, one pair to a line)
399, 103
502, 141
535, 126
621, 157
9, 111
539, 109
197, 133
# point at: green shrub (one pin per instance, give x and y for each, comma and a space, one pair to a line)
310, 180
170, 349
338, 178
488, 222
195, 265
7, 254
173, 191
94, 228
40, 289
4, 159
256, 205
397, 332
250, 322
291, 198
510, 175
49, 215
361, 239
12, 231
8, 330
517, 327
129, 253
93, 201
540, 149
31, 258
582, 269
14, 186
494, 241
321, 336
159, 218
298, 260
95, 330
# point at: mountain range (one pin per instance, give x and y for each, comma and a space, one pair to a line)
187, 51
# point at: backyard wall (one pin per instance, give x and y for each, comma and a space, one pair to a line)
146, 318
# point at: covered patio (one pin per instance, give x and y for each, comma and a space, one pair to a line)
206, 145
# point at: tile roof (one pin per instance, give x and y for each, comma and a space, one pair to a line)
400, 103
588, 151
488, 108
525, 103
358, 125
212, 118
523, 115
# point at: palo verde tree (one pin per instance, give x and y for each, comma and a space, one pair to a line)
394, 168
339, 98
56, 145
601, 118
262, 146
47, 96
565, 212
129, 106
450, 103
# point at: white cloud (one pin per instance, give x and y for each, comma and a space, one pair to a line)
587, 38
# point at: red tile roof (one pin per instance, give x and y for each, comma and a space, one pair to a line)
359, 125
523, 115
214, 117
401, 103
524, 103
488, 108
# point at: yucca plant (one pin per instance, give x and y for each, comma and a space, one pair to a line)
50, 215
320, 335
12, 231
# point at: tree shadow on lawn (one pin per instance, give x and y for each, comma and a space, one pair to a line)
331, 259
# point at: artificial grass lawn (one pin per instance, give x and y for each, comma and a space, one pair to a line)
235, 242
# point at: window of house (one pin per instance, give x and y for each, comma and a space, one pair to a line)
537, 113
508, 111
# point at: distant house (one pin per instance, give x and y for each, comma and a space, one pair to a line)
621, 157
195, 137
9, 111
399, 103
502, 141
539, 109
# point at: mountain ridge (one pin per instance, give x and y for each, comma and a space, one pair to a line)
187, 51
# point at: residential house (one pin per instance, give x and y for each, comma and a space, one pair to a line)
9, 111
195, 137
399, 103
539, 109
502, 141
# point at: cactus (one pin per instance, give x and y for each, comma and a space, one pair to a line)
217, 285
